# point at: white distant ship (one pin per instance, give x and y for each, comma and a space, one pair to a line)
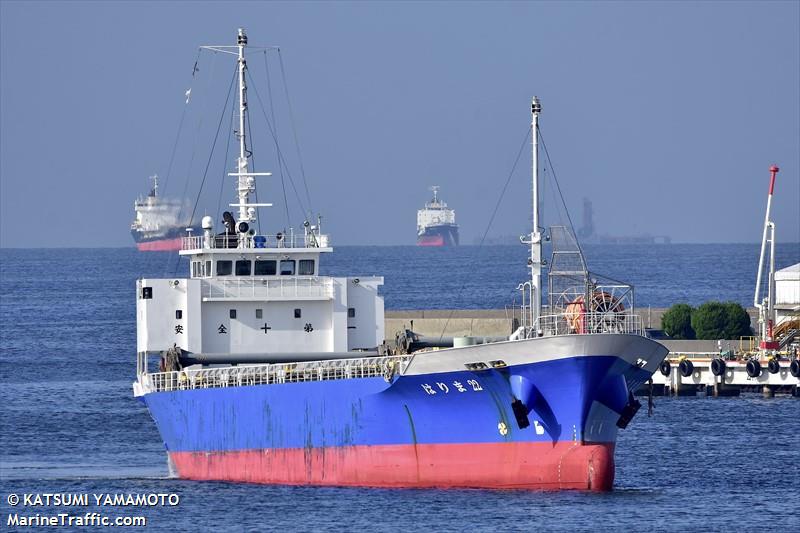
436, 223
158, 226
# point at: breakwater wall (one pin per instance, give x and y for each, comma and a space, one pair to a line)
499, 322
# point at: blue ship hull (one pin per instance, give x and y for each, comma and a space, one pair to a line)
417, 430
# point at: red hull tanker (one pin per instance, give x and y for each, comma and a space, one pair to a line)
157, 226
436, 223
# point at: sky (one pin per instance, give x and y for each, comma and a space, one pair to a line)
667, 115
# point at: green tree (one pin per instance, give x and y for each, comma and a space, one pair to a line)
709, 321
717, 320
677, 322
738, 321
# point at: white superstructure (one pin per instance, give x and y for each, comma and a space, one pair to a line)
154, 213
252, 296
435, 213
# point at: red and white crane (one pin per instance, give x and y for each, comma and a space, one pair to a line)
766, 305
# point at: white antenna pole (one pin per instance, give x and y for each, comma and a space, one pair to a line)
245, 181
757, 301
536, 236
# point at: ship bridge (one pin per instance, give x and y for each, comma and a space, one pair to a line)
248, 254
249, 293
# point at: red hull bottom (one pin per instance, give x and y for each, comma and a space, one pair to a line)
518, 465
166, 245
431, 241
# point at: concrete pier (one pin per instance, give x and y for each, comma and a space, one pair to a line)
734, 381
721, 390
446, 323
496, 322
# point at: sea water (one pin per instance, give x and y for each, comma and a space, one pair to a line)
70, 424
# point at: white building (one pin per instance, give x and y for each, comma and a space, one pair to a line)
787, 294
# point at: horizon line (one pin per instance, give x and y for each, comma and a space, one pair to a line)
663, 245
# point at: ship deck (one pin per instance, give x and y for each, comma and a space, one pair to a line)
273, 373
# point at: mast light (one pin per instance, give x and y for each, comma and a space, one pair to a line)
536, 106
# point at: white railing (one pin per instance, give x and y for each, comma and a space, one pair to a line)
584, 324
281, 288
225, 241
274, 374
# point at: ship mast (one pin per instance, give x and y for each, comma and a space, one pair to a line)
245, 181
536, 236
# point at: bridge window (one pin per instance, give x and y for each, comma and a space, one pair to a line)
224, 268
298, 313
178, 314
201, 269
351, 312
243, 267
287, 267
232, 313
259, 313
306, 267
147, 293
266, 268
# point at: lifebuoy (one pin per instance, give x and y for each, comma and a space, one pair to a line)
686, 368
665, 368
774, 366
718, 367
753, 368
794, 368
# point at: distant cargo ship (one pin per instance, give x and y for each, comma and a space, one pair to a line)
436, 223
157, 226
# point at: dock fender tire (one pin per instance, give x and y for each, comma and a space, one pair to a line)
794, 368
753, 368
718, 367
686, 368
665, 368
774, 366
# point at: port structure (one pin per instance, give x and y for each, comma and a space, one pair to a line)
687, 374
766, 304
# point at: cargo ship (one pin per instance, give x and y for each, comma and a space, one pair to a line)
256, 368
157, 226
436, 223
